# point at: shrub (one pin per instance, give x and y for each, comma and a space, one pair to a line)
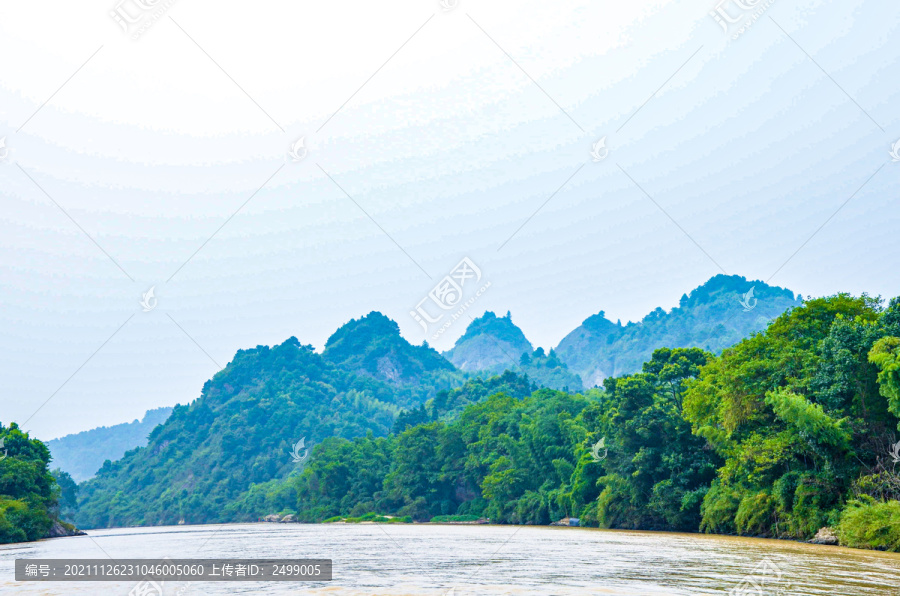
719, 508
814, 501
867, 523
20, 521
755, 514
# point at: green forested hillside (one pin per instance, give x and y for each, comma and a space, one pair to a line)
528, 459
448, 405
548, 370
711, 317
242, 428
82, 454
372, 346
789, 431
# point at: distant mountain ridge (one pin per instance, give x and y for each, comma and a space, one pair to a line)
82, 454
493, 344
713, 316
215, 459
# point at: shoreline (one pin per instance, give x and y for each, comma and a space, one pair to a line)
692, 535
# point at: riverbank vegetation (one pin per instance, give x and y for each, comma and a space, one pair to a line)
372, 518
789, 431
29, 494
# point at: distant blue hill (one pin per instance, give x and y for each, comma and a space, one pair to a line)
82, 454
714, 316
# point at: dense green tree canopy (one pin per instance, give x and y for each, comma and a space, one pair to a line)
28, 492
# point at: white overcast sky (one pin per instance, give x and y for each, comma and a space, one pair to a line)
486, 111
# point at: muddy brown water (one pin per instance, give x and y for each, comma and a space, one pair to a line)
462, 560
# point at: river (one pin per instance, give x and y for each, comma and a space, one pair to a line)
490, 560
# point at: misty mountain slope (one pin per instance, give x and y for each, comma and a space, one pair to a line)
713, 316
548, 370
241, 429
82, 454
372, 346
493, 344
490, 343
448, 405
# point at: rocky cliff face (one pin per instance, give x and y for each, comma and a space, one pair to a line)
491, 344
494, 344
61, 529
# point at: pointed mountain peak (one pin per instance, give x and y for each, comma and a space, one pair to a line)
490, 343
372, 345
599, 323
363, 329
727, 286
501, 328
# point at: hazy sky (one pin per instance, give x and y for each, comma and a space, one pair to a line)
431, 133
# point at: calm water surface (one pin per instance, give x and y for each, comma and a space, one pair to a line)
419, 559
